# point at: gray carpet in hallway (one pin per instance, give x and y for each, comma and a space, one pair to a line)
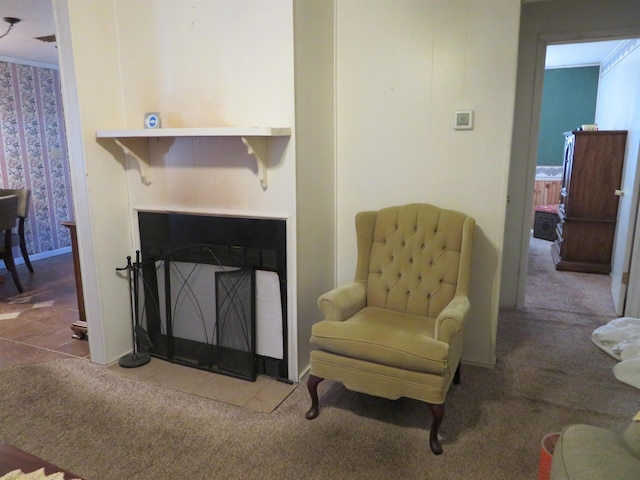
566, 291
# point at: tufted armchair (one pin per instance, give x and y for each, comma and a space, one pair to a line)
396, 331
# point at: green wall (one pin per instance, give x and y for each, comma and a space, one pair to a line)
568, 101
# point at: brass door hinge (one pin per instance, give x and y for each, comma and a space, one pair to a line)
625, 278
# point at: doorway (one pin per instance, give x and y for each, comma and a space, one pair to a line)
35, 156
569, 100
540, 26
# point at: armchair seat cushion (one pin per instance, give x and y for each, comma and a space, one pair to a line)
383, 336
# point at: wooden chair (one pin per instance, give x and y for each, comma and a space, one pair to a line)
397, 330
18, 238
8, 218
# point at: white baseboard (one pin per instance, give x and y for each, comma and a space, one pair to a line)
304, 373
41, 256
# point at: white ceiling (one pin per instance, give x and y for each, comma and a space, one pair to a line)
579, 54
20, 43
37, 21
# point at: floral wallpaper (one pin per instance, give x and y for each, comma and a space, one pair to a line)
33, 151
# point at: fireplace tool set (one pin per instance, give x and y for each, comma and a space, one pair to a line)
136, 358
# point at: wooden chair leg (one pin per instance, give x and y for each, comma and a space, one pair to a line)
438, 414
23, 243
25, 256
11, 266
312, 385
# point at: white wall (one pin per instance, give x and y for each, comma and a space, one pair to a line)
210, 63
92, 97
314, 28
618, 108
403, 69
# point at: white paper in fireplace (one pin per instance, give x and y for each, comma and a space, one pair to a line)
269, 332
199, 305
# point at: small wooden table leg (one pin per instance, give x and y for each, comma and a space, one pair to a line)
79, 328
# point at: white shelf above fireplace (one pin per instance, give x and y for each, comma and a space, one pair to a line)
196, 132
135, 143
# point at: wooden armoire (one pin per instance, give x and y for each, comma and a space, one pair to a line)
591, 179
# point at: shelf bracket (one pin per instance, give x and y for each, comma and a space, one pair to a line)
138, 150
258, 148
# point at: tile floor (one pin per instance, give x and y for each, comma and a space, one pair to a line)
35, 326
263, 395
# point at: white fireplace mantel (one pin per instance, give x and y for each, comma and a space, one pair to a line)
135, 143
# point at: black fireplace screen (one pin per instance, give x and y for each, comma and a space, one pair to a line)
214, 271
197, 307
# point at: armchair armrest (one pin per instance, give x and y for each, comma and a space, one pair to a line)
342, 302
451, 318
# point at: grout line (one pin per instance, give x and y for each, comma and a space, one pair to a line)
40, 348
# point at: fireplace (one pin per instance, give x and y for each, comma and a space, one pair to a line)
212, 292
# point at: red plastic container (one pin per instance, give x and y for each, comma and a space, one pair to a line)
547, 446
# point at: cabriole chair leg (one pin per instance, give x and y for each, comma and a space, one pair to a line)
456, 376
312, 385
438, 414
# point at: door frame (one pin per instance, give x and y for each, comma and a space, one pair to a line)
79, 181
524, 144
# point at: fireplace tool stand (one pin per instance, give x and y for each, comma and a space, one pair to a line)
136, 358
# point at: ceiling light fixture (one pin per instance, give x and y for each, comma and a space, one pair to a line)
11, 21
47, 38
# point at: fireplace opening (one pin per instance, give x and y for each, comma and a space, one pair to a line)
212, 292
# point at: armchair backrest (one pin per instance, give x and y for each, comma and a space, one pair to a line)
23, 195
414, 258
8, 212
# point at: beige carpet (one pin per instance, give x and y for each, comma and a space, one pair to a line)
103, 426
100, 425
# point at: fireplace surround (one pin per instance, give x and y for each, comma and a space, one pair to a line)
213, 292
